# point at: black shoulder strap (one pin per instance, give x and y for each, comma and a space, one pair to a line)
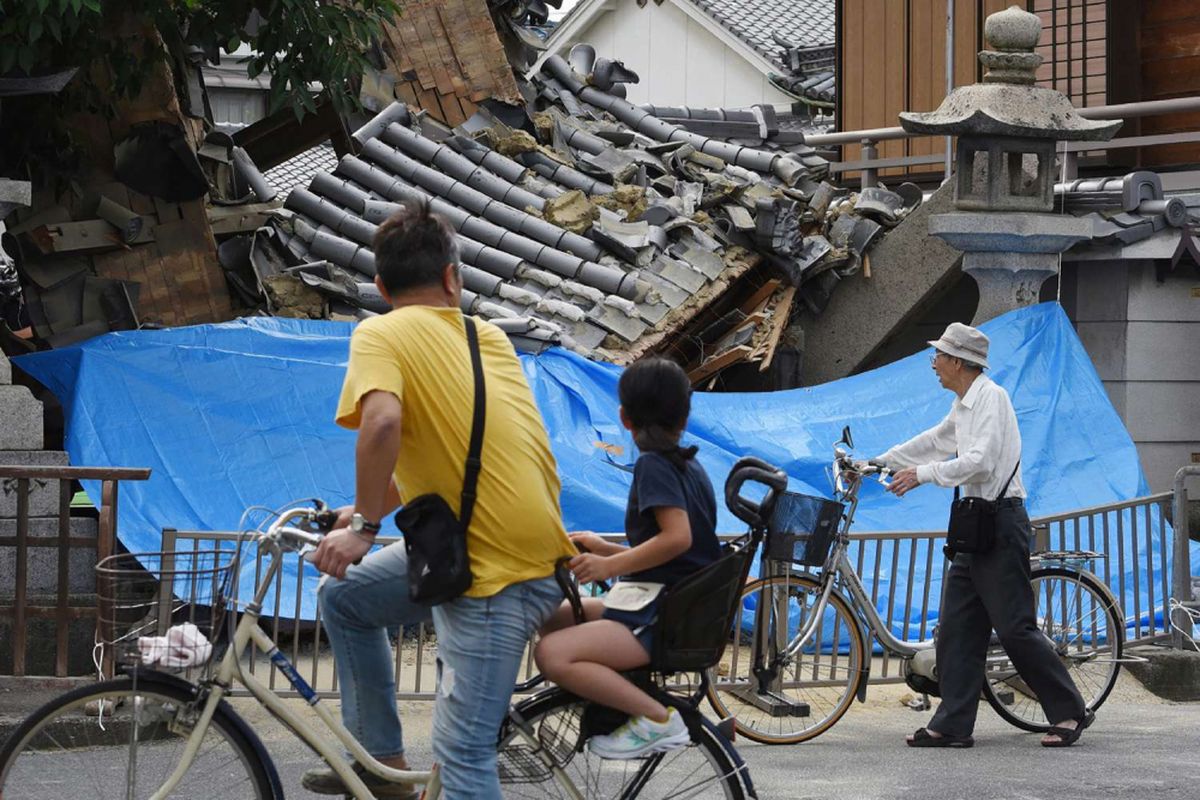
1010, 480
474, 463
1006, 483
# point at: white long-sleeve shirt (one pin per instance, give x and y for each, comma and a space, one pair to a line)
982, 429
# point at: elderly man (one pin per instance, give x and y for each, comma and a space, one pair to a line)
978, 447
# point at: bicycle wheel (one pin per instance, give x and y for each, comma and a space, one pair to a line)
1081, 619
129, 751
813, 688
703, 769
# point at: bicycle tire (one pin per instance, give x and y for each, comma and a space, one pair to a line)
834, 677
703, 769
90, 751
1093, 665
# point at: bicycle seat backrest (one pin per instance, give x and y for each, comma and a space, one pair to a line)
754, 514
698, 613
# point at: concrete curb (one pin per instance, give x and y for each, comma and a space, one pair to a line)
1170, 674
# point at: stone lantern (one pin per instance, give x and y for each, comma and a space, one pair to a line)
1004, 183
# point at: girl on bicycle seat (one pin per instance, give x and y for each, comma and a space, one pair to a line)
670, 521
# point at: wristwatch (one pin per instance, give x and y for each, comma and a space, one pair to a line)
361, 525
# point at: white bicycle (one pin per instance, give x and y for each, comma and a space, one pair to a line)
149, 733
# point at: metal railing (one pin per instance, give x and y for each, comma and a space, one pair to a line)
870, 164
15, 609
886, 562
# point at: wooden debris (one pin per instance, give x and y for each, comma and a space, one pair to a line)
779, 319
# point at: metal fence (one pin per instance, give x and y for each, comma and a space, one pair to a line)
1134, 534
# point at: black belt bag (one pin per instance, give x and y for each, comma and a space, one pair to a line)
435, 540
972, 527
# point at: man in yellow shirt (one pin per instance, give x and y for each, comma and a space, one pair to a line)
409, 391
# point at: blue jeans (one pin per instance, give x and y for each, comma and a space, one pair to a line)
357, 612
481, 642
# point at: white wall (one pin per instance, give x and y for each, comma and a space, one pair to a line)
678, 61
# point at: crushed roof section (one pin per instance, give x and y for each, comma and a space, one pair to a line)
593, 224
802, 23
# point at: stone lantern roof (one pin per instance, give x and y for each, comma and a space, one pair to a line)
1007, 103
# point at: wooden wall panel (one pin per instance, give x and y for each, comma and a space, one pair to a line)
1169, 46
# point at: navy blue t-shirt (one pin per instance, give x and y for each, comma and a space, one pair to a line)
657, 483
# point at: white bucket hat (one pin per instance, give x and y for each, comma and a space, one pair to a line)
965, 342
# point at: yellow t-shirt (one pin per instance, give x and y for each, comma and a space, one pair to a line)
420, 354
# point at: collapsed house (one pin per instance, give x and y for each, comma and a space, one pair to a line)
588, 223
584, 221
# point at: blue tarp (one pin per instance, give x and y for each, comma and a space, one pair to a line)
238, 414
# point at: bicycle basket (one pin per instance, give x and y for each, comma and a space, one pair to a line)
802, 528
697, 614
144, 595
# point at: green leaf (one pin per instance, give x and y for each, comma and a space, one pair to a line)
52, 25
25, 59
35, 29
233, 44
8, 57
93, 5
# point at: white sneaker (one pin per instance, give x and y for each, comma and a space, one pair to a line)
641, 737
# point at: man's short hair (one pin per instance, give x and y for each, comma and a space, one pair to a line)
413, 247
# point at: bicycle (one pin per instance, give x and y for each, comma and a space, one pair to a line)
806, 659
156, 729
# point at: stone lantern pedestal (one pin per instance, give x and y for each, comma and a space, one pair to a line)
1004, 182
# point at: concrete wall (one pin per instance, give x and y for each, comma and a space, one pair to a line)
680, 63
1143, 338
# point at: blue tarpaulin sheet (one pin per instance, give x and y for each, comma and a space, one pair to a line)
240, 414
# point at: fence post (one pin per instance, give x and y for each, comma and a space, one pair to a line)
1181, 583
870, 175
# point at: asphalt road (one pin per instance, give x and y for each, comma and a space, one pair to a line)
1140, 747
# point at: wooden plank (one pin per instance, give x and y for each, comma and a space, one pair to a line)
779, 321
851, 111
1168, 11
1173, 77
895, 78
760, 296
22, 565
719, 362
62, 602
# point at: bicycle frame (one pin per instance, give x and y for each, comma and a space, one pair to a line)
248, 632
230, 669
837, 566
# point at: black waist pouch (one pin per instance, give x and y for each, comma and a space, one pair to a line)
972, 527
439, 569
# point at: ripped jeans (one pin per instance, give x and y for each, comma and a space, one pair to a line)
481, 643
